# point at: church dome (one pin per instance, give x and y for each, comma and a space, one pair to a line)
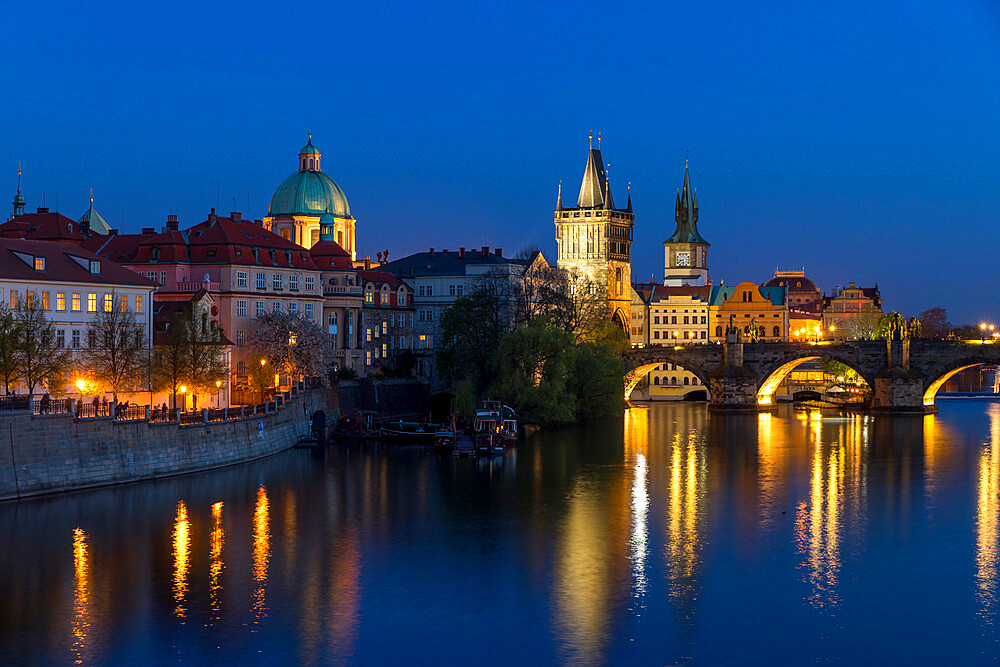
309, 193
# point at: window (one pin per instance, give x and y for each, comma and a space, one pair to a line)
109, 302
91, 339
241, 368
777, 332
368, 358
687, 380
421, 291
656, 335
277, 306
673, 319
277, 281
138, 303
293, 283
261, 281
310, 283
45, 300
401, 298
703, 336
95, 266
60, 339
384, 327
368, 335
656, 379
369, 294
392, 319
29, 299
385, 296
656, 319
430, 290
383, 349
123, 303
75, 340
285, 234
163, 277
718, 332
293, 308
76, 302
39, 264
332, 322
241, 308
91, 303
61, 301
686, 319
261, 309
241, 278
451, 290
310, 311
241, 338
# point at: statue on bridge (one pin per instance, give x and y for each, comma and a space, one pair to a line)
753, 331
895, 328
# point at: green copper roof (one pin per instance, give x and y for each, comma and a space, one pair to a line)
91, 218
309, 149
686, 214
310, 193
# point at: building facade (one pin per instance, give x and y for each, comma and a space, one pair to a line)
343, 301
852, 312
745, 305
302, 199
594, 239
71, 285
388, 316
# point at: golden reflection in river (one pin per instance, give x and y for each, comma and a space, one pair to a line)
215, 564
836, 482
182, 558
638, 541
261, 553
685, 491
81, 595
987, 514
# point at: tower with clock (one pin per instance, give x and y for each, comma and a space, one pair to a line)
685, 260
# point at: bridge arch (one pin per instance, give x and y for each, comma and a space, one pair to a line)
640, 371
775, 373
939, 377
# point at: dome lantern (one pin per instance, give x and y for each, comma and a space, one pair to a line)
309, 156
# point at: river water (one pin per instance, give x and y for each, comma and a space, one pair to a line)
667, 536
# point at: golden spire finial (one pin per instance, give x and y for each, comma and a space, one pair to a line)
590, 138
91, 197
687, 157
18, 167
310, 134
629, 187
598, 140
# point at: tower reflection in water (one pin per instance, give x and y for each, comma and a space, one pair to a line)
215, 563
987, 515
81, 596
182, 557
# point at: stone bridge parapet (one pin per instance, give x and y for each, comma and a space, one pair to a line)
904, 375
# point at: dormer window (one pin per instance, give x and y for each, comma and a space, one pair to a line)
95, 267
39, 264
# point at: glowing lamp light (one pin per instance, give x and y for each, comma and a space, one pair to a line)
183, 388
218, 384
263, 362
81, 384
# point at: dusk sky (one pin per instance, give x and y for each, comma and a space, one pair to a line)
859, 140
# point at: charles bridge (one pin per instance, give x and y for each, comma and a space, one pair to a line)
904, 375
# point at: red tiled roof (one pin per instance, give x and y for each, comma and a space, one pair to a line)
42, 226
380, 277
60, 265
217, 240
328, 254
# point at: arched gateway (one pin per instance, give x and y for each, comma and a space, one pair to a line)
905, 376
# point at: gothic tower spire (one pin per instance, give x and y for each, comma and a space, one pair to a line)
18, 198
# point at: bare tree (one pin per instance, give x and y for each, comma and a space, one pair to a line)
120, 357
577, 306
292, 344
37, 355
190, 352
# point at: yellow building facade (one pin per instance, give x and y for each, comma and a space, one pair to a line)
744, 304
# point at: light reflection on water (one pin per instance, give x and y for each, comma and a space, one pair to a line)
643, 540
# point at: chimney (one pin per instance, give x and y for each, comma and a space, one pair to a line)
432, 252
211, 216
235, 216
148, 230
461, 253
368, 263
172, 225
485, 250
498, 252
42, 210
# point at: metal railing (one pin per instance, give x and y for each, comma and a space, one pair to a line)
52, 406
130, 412
93, 410
14, 403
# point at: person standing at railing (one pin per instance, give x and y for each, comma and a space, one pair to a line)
44, 407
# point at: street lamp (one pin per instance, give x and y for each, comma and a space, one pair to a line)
218, 390
183, 389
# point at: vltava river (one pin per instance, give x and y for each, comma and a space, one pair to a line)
669, 536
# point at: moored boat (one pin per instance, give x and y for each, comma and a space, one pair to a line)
495, 426
414, 432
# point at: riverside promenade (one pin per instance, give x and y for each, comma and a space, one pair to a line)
53, 448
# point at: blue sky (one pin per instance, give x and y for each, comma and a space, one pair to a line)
858, 140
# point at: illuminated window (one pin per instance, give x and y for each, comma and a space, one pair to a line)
368, 335
384, 325
123, 303
76, 302
138, 303
286, 234
39, 264
108, 303
383, 349
369, 294
368, 358
385, 296
29, 299
45, 300
60, 301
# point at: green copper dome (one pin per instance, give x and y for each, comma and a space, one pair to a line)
309, 149
310, 193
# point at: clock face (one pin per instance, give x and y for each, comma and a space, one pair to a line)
683, 259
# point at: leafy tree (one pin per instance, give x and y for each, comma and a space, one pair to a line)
596, 376
120, 358
471, 329
934, 323
863, 327
532, 373
37, 354
10, 335
189, 352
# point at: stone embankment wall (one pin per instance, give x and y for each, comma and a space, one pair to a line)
47, 454
390, 398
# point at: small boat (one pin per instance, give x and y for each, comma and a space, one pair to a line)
444, 441
415, 432
495, 426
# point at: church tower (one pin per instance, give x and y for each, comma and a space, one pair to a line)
595, 238
685, 258
18, 198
